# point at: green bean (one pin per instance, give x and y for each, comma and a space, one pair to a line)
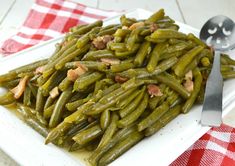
154, 56
167, 34
193, 38
101, 85
153, 117
144, 50
177, 47
88, 27
228, 74
33, 89
227, 59
121, 148
109, 31
80, 51
117, 46
98, 107
58, 131
156, 16
85, 81
96, 55
65, 84
186, 59
72, 106
88, 135
122, 33
58, 110
109, 132
196, 88
126, 54
163, 66
7, 98
133, 116
121, 67
27, 96
48, 111
124, 103
127, 21
153, 40
133, 106
78, 115
91, 65
40, 100
41, 129
120, 135
166, 118
105, 119
8, 77
52, 82
75, 28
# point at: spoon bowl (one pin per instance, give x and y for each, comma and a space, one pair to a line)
219, 32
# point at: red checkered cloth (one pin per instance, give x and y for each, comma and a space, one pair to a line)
215, 148
48, 19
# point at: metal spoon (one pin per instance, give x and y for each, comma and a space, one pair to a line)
218, 32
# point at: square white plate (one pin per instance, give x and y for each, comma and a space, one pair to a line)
27, 147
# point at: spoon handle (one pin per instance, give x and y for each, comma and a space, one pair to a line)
212, 107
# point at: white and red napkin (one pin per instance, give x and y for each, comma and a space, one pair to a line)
50, 18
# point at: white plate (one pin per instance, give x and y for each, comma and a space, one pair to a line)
27, 147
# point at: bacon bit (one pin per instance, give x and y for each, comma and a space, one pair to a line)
54, 92
101, 41
39, 70
110, 61
189, 75
125, 27
189, 85
120, 79
153, 27
154, 90
19, 89
136, 25
73, 74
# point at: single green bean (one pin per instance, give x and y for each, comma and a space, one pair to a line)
153, 117
58, 110
144, 50
88, 135
96, 55
85, 81
156, 16
105, 119
7, 98
167, 34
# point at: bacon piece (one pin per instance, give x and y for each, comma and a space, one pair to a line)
39, 70
189, 85
120, 79
54, 92
19, 89
101, 41
110, 61
73, 74
154, 90
136, 25
189, 75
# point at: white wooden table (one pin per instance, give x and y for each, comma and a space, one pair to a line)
191, 12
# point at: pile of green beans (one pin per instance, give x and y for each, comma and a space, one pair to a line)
120, 93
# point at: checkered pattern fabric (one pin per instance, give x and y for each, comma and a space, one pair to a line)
215, 148
49, 19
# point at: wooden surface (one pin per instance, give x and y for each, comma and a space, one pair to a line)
191, 12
